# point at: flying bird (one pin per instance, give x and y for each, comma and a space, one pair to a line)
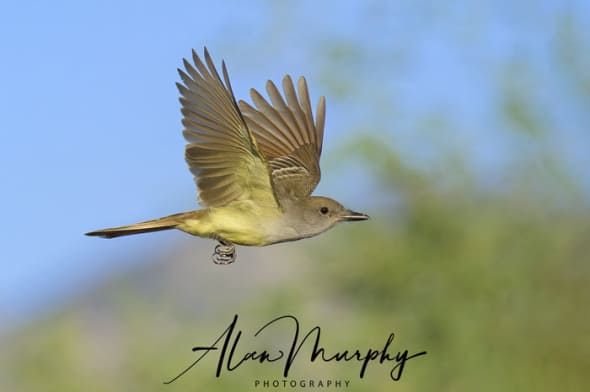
255, 167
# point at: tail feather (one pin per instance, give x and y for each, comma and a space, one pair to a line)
165, 223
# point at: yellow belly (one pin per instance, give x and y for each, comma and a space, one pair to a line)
241, 223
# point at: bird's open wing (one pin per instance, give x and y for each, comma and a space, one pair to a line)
288, 137
222, 154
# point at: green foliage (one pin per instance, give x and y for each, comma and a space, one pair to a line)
491, 285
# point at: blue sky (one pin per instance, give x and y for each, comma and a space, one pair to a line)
91, 125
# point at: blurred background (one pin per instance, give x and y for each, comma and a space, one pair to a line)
462, 128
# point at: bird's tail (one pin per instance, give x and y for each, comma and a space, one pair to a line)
165, 223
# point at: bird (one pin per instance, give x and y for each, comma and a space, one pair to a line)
255, 167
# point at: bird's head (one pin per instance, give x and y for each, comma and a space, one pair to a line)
317, 214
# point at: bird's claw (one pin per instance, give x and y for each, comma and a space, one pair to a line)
225, 253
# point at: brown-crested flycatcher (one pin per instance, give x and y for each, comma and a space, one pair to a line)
255, 168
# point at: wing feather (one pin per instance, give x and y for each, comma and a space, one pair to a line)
221, 152
287, 136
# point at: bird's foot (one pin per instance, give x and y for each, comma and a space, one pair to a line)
225, 253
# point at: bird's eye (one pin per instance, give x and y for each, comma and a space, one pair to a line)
324, 210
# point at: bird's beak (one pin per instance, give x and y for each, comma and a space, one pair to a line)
353, 216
